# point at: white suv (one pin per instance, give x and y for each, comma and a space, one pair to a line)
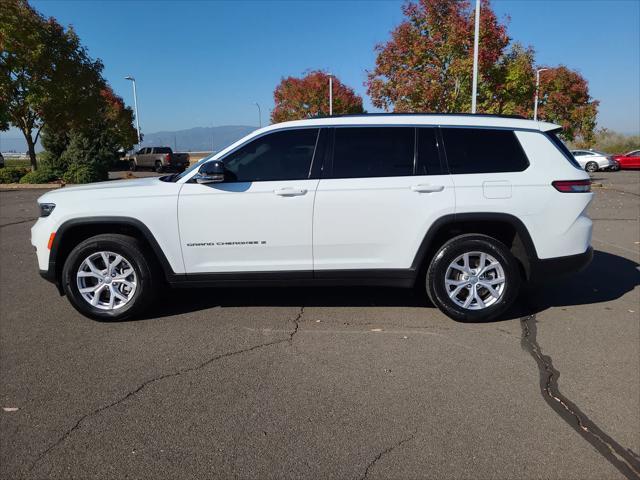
466, 205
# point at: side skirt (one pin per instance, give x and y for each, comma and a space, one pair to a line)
383, 278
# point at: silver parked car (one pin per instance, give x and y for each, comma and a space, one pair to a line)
593, 160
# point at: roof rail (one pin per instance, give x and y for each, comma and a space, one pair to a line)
421, 114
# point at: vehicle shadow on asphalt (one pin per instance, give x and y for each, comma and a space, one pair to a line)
607, 278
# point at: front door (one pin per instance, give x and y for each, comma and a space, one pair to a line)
259, 219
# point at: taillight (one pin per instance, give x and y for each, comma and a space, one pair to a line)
572, 186
167, 157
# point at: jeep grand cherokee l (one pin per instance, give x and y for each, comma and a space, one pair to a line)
467, 206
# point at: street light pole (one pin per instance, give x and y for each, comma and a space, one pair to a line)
330, 94
476, 41
259, 115
535, 102
135, 103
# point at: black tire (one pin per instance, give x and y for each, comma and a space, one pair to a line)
452, 249
591, 167
147, 276
132, 166
158, 167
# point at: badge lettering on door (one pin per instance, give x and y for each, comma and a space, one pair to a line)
226, 244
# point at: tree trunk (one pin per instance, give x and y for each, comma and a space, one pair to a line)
32, 150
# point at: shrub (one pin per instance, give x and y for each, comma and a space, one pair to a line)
12, 174
42, 175
84, 173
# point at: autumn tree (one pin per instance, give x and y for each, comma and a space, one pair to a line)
427, 66
564, 99
306, 97
46, 75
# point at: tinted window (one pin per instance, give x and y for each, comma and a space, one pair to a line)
479, 150
277, 156
579, 154
373, 152
428, 156
162, 150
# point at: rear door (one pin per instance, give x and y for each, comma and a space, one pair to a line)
383, 188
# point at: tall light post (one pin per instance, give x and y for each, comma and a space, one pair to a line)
535, 102
476, 41
259, 114
330, 94
135, 103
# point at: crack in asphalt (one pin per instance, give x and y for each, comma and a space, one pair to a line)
19, 222
140, 387
624, 459
385, 452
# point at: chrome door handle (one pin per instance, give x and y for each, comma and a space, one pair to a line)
290, 192
427, 188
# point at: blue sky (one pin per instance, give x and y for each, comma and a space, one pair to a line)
205, 63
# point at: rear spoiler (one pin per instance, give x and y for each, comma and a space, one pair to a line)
549, 127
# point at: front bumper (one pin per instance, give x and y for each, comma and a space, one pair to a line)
552, 268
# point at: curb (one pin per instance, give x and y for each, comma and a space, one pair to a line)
29, 186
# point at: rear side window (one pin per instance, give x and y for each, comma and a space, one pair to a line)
479, 150
563, 149
428, 157
373, 152
162, 150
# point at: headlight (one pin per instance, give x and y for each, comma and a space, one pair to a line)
46, 209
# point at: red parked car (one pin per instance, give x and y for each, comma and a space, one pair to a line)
629, 160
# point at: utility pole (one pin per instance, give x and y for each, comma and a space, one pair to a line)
135, 103
259, 115
330, 94
476, 42
535, 102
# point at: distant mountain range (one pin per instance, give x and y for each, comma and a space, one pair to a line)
198, 139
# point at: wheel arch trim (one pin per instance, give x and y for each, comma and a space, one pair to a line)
54, 269
528, 254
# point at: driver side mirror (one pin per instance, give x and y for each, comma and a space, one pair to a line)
211, 172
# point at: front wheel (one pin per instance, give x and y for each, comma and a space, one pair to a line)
109, 277
591, 167
473, 278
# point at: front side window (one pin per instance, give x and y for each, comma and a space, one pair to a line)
373, 152
479, 150
285, 155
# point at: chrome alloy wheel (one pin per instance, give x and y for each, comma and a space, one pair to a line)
106, 280
475, 280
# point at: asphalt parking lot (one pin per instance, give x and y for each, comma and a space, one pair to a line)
326, 383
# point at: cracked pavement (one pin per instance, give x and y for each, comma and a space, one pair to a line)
328, 382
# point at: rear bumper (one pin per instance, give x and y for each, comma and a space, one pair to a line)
551, 268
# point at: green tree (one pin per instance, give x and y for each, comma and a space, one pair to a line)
94, 145
306, 97
46, 75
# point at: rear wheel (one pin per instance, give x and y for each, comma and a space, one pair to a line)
109, 277
158, 167
591, 167
473, 278
132, 166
